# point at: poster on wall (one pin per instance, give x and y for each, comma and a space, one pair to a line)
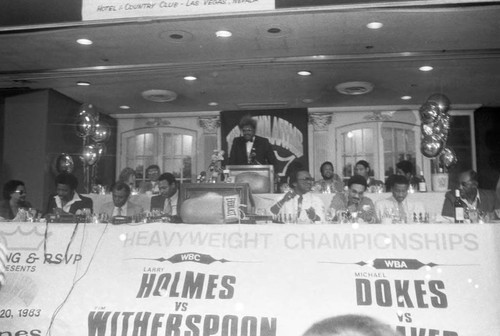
286, 130
247, 280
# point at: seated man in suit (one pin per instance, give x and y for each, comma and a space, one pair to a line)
331, 182
354, 202
168, 199
398, 207
251, 149
120, 206
67, 200
482, 200
300, 205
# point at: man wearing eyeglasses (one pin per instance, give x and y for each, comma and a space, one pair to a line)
353, 203
300, 205
474, 198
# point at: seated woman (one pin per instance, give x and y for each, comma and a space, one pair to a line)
14, 194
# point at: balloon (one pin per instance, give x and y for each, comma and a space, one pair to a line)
441, 100
101, 132
89, 110
84, 125
64, 163
429, 112
427, 129
101, 149
90, 155
431, 145
448, 157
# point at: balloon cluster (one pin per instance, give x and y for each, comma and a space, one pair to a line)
88, 125
435, 127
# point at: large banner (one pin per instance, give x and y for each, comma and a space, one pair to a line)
113, 9
247, 280
286, 130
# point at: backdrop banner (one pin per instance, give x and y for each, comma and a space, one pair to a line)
247, 280
115, 9
285, 129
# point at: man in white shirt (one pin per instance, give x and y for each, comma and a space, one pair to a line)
398, 208
120, 206
300, 205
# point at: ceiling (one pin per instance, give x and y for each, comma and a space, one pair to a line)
256, 68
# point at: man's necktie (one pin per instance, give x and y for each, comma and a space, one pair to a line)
167, 209
402, 212
299, 206
119, 211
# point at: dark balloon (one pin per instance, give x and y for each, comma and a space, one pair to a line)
429, 112
431, 145
101, 149
64, 164
90, 155
441, 100
448, 157
101, 132
84, 125
89, 110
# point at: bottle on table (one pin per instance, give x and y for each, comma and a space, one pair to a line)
422, 185
459, 208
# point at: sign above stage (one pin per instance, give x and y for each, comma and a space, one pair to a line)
116, 9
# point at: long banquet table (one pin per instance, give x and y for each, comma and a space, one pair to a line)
433, 201
176, 279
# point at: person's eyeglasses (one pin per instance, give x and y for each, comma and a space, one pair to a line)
308, 179
20, 192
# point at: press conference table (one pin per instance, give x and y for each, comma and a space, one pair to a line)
260, 280
433, 201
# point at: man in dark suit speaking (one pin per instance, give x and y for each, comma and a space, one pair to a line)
250, 149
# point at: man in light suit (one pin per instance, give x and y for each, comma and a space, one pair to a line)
120, 205
250, 149
168, 199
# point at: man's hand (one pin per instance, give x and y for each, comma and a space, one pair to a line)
311, 213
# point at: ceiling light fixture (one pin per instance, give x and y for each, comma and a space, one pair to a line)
375, 25
223, 33
304, 73
213, 104
84, 41
425, 68
81, 83
406, 97
190, 78
125, 107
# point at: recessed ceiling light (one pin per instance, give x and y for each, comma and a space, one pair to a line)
125, 107
375, 25
84, 41
406, 97
307, 100
213, 104
190, 78
81, 83
426, 68
223, 33
304, 73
